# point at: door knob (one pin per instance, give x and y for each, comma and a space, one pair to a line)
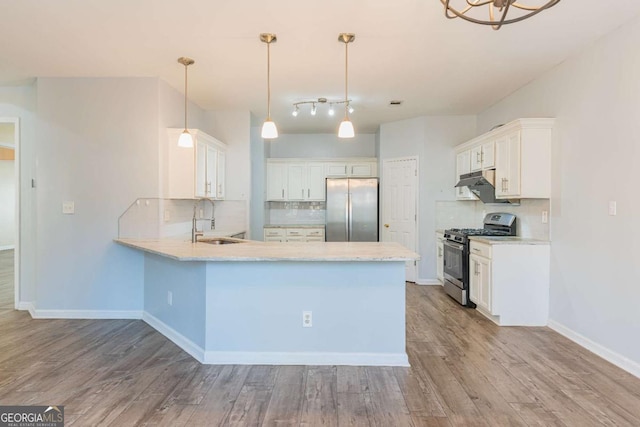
386, 225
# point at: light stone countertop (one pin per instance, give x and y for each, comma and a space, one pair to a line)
222, 233
249, 250
294, 226
508, 240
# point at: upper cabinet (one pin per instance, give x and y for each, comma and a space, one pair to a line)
520, 153
304, 179
463, 166
194, 172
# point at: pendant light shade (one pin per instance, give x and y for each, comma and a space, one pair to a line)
346, 127
185, 140
269, 129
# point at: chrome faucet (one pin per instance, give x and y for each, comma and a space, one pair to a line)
194, 225
194, 221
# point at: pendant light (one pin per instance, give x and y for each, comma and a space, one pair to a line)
346, 127
269, 129
185, 140
474, 10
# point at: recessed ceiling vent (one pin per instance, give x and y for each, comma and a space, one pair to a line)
395, 103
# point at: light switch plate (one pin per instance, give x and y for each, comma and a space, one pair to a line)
68, 208
613, 208
545, 217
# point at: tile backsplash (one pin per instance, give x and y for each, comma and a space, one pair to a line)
284, 213
470, 214
154, 218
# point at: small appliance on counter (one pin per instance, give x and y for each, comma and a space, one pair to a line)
352, 210
456, 252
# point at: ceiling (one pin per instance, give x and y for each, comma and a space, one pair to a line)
404, 49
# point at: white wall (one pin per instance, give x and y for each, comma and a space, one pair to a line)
322, 145
20, 102
431, 139
595, 268
97, 146
7, 204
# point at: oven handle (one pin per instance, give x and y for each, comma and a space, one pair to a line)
458, 246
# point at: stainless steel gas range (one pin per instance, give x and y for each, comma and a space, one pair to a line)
456, 252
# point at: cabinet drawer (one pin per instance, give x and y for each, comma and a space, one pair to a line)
296, 239
296, 232
274, 232
480, 249
315, 232
315, 239
274, 239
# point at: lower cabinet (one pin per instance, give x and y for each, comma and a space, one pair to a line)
509, 282
294, 234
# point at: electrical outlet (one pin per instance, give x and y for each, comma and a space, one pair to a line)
170, 298
68, 208
201, 213
545, 217
613, 208
307, 319
167, 215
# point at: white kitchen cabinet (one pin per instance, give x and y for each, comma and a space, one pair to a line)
194, 172
277, 181
440, 257
508, 166
483, 156
480, 282
347, 169
463, 166
296, 181
294, 234
509, 282
316, 186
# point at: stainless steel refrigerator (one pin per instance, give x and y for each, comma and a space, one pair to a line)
352, 210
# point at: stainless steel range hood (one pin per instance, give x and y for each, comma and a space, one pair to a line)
481, 184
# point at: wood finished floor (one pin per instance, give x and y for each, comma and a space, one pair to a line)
465, 371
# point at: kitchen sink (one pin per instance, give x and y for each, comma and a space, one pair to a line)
220, 241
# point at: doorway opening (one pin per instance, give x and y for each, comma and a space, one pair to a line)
9, 213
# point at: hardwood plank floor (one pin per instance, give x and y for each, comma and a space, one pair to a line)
465, 371
6, 279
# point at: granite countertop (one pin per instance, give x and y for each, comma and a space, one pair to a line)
249, 250
508, 240
294, 226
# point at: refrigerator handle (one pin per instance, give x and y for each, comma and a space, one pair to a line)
350, 216
346, 218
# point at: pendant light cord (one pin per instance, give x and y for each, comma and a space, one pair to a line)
185, 97
269, 81
346, 81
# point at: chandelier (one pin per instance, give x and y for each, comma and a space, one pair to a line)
321, 101
497, 10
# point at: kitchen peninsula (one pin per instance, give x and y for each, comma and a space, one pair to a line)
278, 303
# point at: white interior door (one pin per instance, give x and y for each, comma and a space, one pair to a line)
400, 214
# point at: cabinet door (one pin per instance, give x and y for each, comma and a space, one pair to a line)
315, 182
276, 181
212, 172
484, 272
296, 181
463, 165
220, 174
336, 170
487, 156
474, 279
508, 166
476, 158
361, 169
440, 260
201, 170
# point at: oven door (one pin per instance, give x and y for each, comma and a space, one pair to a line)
454, 263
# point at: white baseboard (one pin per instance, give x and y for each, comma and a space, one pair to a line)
174, 336
84, 314
272, 358
7, 247
429, 282
293, 358
611, 356
27, 306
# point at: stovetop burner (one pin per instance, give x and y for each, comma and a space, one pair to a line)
477, 232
